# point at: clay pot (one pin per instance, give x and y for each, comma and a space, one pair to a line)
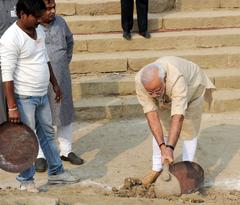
185, 178
18, 147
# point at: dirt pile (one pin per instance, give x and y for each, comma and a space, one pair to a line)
133, 187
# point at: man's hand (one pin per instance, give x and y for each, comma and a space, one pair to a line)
14, 116
58, 93
13, 113
168, 155
55, 85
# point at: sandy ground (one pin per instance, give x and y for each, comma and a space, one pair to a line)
114, 150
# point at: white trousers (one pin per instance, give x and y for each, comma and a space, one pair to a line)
189, 150
64, 136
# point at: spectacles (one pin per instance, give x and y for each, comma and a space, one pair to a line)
156, 93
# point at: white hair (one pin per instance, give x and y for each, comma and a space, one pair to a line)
147, 74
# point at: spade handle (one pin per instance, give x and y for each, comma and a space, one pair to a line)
165, 176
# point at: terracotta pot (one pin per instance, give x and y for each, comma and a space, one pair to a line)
185, 178
18, 147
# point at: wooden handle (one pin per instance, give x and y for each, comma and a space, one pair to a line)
165, 176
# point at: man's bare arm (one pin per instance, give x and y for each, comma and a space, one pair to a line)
54, 83
53, 79
175, 129
155, 126
13, 114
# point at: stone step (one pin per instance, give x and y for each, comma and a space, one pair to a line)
107, 107
226, 100
225, 78
225, 57
230, 3
128, 106
109, 7
206, 4
105, 7
103, 85
165, 21
186, 5
159, 41
122, 84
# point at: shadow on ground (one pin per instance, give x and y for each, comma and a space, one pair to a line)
218, 145
107, 142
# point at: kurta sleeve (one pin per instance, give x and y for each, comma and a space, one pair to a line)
70, 42
9, 54
148, 103
179, 97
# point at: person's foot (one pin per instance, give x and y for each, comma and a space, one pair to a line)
29, 187
64, 178
150, 178
73, 159
127, 35
145, 34
41, 165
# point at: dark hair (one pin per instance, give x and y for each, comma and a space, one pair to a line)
30, 7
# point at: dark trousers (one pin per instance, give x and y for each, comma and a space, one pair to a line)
127, 7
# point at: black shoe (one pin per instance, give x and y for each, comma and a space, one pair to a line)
127, 35
145, 34
73, 159
40, 165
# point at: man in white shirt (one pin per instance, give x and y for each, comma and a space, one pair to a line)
7, 17
26, 72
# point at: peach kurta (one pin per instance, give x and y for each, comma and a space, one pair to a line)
186, 85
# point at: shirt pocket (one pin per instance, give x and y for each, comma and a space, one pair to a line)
57, 40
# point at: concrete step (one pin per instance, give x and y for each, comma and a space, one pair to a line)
108, 7
165, 21
159, 41
128, 106
225, 57
122, 84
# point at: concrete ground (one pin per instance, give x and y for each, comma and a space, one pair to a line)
114, 150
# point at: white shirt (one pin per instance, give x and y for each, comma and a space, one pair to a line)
24, 61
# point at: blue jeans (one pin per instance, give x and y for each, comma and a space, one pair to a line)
35, 112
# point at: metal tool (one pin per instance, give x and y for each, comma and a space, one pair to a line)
18, 147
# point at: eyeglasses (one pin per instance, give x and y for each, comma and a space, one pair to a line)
156, 93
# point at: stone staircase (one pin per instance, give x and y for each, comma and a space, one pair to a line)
103, 67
